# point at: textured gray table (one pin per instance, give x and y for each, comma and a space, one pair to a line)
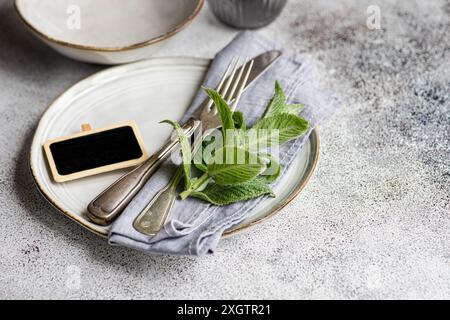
374, 222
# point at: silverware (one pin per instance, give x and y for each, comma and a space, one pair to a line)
107, 205
154, 215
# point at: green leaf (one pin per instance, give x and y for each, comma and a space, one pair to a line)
185, 151
198, 159
239, 121
211, 143
234, 165
276, 104
201, 166
224, 195
286, 126
223, 109
272, 171
294, 108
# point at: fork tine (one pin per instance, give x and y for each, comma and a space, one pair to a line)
222, 80
224, 91
231, 79
243, 84
236, 82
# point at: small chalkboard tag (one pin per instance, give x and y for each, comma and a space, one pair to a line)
91, 152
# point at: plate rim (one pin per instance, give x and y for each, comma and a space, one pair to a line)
314, 135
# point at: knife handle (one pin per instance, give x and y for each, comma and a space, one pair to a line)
111, 202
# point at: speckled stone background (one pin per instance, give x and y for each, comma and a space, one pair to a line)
374, 222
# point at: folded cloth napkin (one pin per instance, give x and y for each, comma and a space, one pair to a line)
195, 227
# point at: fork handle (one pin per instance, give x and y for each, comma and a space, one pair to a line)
111, 202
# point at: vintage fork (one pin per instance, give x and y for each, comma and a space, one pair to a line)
107, 205
154, 215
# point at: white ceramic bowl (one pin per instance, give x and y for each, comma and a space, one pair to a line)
107, 31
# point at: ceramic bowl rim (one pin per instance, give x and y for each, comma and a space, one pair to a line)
151, 41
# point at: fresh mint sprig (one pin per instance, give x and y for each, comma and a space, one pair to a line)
238, 170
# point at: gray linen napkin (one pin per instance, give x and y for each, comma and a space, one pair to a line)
195, 227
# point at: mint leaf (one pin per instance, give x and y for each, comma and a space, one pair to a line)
239, 121
223, 109
234, 165
288, 127
295, 108
209, 144
224, 195
198, 157
201, 166
272, 171
185, 151
276, 104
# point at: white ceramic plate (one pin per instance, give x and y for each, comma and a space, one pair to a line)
146, 92
107, 31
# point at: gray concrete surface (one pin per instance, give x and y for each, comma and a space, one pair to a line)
373, 222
